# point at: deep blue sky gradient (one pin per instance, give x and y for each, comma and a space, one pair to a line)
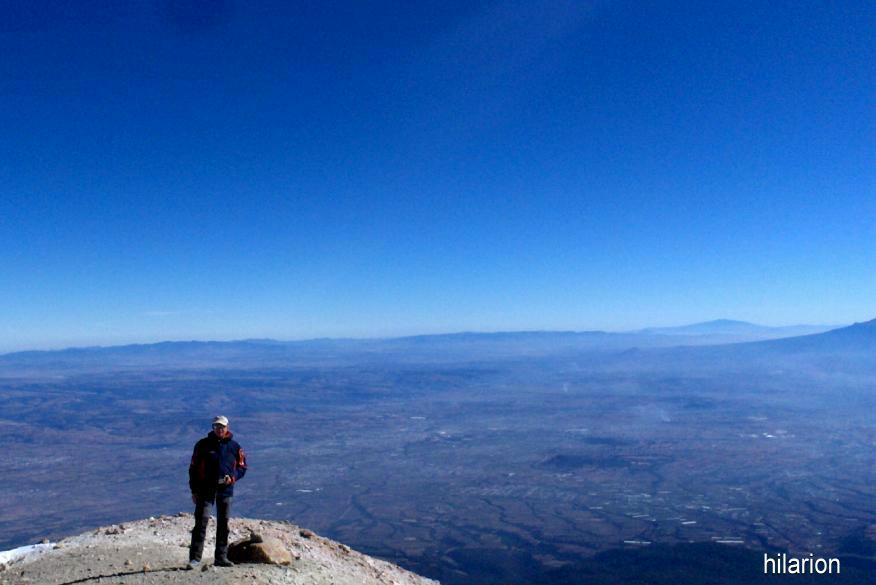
184, 169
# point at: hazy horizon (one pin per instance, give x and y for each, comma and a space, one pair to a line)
52, 346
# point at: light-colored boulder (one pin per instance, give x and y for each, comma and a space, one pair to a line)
260, 549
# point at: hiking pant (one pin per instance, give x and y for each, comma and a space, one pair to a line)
199, 532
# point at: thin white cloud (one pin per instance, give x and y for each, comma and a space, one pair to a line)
158, 313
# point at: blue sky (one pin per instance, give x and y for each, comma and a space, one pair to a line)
217, 170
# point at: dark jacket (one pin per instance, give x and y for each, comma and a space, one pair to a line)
213, 459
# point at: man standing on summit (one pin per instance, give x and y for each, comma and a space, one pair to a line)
217, 463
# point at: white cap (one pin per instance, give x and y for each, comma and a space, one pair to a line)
220, 420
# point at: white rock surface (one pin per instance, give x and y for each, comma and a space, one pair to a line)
23, 552
155, 551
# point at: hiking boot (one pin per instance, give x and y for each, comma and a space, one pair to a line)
223, 562
193, 564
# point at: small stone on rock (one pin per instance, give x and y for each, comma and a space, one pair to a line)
255, 537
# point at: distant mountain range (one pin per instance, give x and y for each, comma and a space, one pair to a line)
738, 328
856, 337
850, 349
721, 339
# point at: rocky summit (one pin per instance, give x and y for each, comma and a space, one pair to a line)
155, 550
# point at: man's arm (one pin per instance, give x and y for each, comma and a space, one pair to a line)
194, 480
240, 467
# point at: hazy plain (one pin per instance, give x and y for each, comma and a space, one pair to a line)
468, 459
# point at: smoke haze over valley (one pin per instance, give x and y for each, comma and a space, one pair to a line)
470, 457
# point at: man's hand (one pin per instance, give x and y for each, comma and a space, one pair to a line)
227, 480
